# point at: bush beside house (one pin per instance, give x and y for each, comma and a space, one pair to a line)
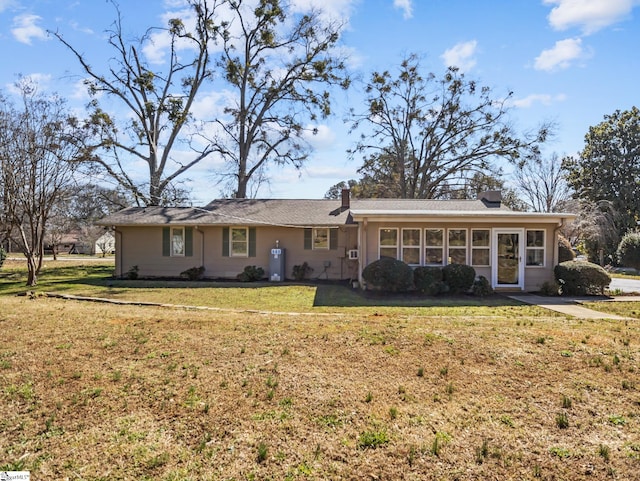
628, 252
577, 278
390, 275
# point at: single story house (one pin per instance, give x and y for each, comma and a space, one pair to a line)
338, 238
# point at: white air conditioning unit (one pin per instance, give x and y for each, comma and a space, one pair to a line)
353, 254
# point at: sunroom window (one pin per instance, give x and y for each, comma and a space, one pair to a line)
480, 247
434, 246
457, 246
388, 243
411, 246
535, 248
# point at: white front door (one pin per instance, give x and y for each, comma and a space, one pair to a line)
507, 258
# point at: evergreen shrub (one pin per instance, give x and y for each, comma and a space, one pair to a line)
428, 280
578, 278
390, 275
459, 277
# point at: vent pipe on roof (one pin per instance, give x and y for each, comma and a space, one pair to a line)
492, 198
346, 194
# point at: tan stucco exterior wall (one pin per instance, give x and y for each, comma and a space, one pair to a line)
142, 246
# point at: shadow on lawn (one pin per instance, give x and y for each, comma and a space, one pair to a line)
327, 294
340, 295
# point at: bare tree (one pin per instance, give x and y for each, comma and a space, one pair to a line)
158, 102
542, 183
38, 145
280, 67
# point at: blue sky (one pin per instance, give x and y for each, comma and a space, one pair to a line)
567, 61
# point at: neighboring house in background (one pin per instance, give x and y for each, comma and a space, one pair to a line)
105, 244
70, 243
338, 238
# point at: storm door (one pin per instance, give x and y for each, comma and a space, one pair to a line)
508, 268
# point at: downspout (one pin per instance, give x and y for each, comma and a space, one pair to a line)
362, 246
118, 270
201, 245
556, 255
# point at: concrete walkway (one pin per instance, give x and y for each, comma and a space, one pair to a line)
571, 306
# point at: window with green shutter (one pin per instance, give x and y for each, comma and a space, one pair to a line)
320, 238
177, 241
239, 242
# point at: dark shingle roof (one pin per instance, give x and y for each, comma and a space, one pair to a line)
292, 212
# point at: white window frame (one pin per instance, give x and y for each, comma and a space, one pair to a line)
380, 246
173, 232
440, 247
232, 242
417, 247
482, 248
528, 248
314, 237
465, 248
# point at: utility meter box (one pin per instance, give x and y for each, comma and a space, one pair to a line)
277, 265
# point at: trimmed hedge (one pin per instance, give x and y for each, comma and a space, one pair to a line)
428, 280
389, 275
459, 277
577, 278
628, 252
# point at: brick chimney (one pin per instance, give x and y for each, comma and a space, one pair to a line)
346, 195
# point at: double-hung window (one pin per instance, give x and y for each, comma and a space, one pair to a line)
535, 248
480, 244
457, 246
177, 241
433, 246
320, 238
239, 242
388, 243
411, 246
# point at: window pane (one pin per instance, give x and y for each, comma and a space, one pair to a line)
388, 237
433, 256
410, 237
457, 237
434, 237
458, 256
321, 238
238, 235
480, 238
480, 257
239, 242
388, 252
411, 255
177, 242
535, 238
535, 257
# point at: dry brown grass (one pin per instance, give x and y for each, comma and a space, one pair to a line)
93, 391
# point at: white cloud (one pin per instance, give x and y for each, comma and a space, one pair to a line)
6, 4
323, 139
563, 53
406, 6
332, 9
461, 56
589, 15
25, 28
41, 81
544, 99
